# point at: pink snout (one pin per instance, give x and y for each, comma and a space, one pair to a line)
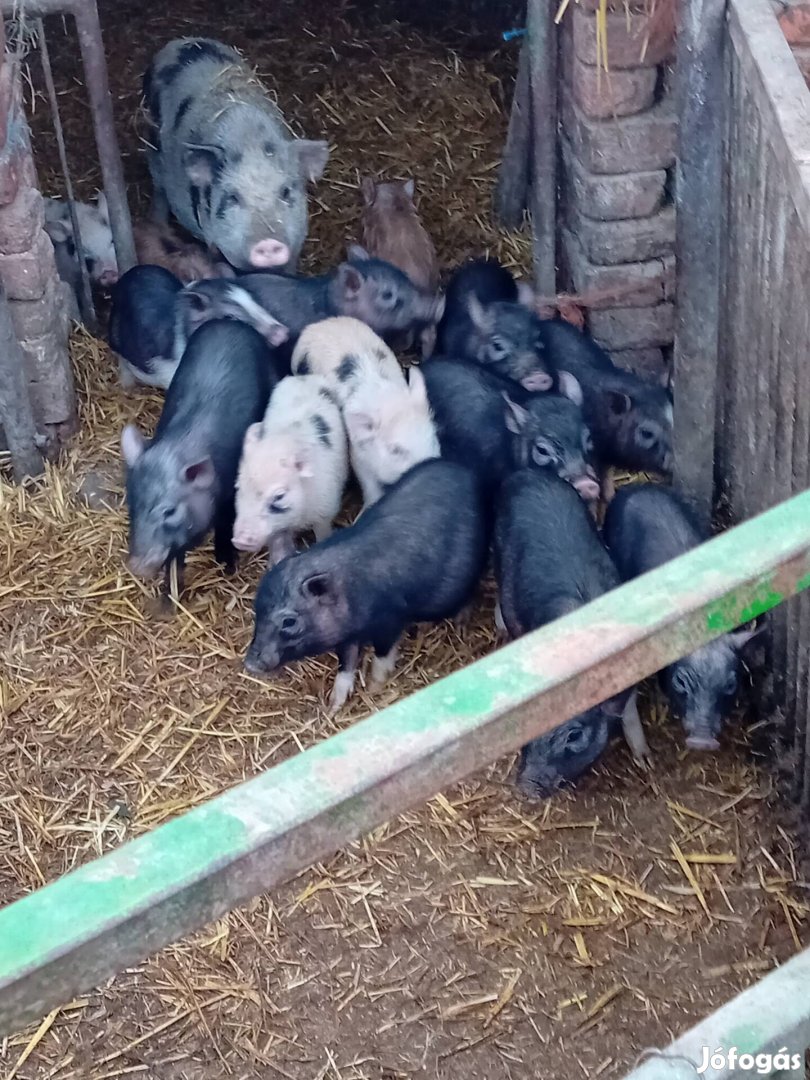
538, 381
587, 487
269, 253
108, 277
246, 541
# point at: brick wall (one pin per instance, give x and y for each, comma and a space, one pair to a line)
38, 301
617, 228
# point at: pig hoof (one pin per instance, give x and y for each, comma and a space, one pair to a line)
341, 691
382, 668
645, 760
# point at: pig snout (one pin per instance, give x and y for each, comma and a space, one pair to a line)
702, 742
267, 253
145, 566
245, 540
108, 277
538, 381
587, 487
261, 661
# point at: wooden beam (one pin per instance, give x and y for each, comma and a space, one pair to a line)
108, 915
541, 41
701, 95
512, 192
16, 417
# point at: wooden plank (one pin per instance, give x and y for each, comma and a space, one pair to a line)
110, 914
698, 201
541, 38
772, 1015
512, 191
16, 417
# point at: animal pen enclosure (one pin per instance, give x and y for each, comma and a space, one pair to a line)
472, 937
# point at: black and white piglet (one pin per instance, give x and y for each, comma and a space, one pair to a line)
371, 290
141, 331
416, 555
181, 483
485, 321
647, 525
549, 561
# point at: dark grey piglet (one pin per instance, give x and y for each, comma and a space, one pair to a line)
222, 158
647, 525
213, 298
549, 561
416, 555
142, 325
629, 418
180, 483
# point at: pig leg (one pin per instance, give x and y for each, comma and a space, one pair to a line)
281, 546
383, 663
322, 529
125, 376
224, 551
634, 732
427, 341
501, 633
348, 655
462, 621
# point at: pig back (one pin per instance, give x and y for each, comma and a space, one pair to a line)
647, 525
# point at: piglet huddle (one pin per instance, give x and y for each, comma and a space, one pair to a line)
495, 449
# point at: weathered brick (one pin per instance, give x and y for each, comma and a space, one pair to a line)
802, 56
619, 93
33, 318
634, 328
26, 274
627, 46
648, 363
795, 23
639, 284
21, 221
607, 243
630, 144
609, 198
50, 377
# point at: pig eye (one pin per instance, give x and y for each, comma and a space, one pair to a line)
285, 194
680, 683
587, 444
398, 451
497, 349
542, 453
290, 626
731, 685
647, 436
171, 515
388, 298
576, 739
229, 200
277, 505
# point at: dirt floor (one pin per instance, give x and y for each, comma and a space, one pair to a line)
479, 937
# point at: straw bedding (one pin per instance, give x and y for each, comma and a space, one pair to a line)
480, 936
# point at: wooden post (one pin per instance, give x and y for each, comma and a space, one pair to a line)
511, 194
542, 50
110, 914
16, 417
701, 93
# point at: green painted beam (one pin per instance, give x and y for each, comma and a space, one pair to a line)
770, 1021
110, 914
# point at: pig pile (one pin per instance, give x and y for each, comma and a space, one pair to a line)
494, 450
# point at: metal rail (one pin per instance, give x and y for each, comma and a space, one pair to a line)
110, 914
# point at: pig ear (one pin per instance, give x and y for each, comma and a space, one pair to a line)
195, 300
320, 587
569, 387
312, 157
60, 231
369, 190
101, 204
516, 415
357, 253
620, 404
253, 435
479, 316
361, 424
351, 280
416, 385
199, 473
409, 187
133, 444
740, 637
202, 163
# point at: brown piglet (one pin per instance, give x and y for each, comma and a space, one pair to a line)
160, 244
392, 230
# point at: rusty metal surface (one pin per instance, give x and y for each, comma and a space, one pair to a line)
108, 915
